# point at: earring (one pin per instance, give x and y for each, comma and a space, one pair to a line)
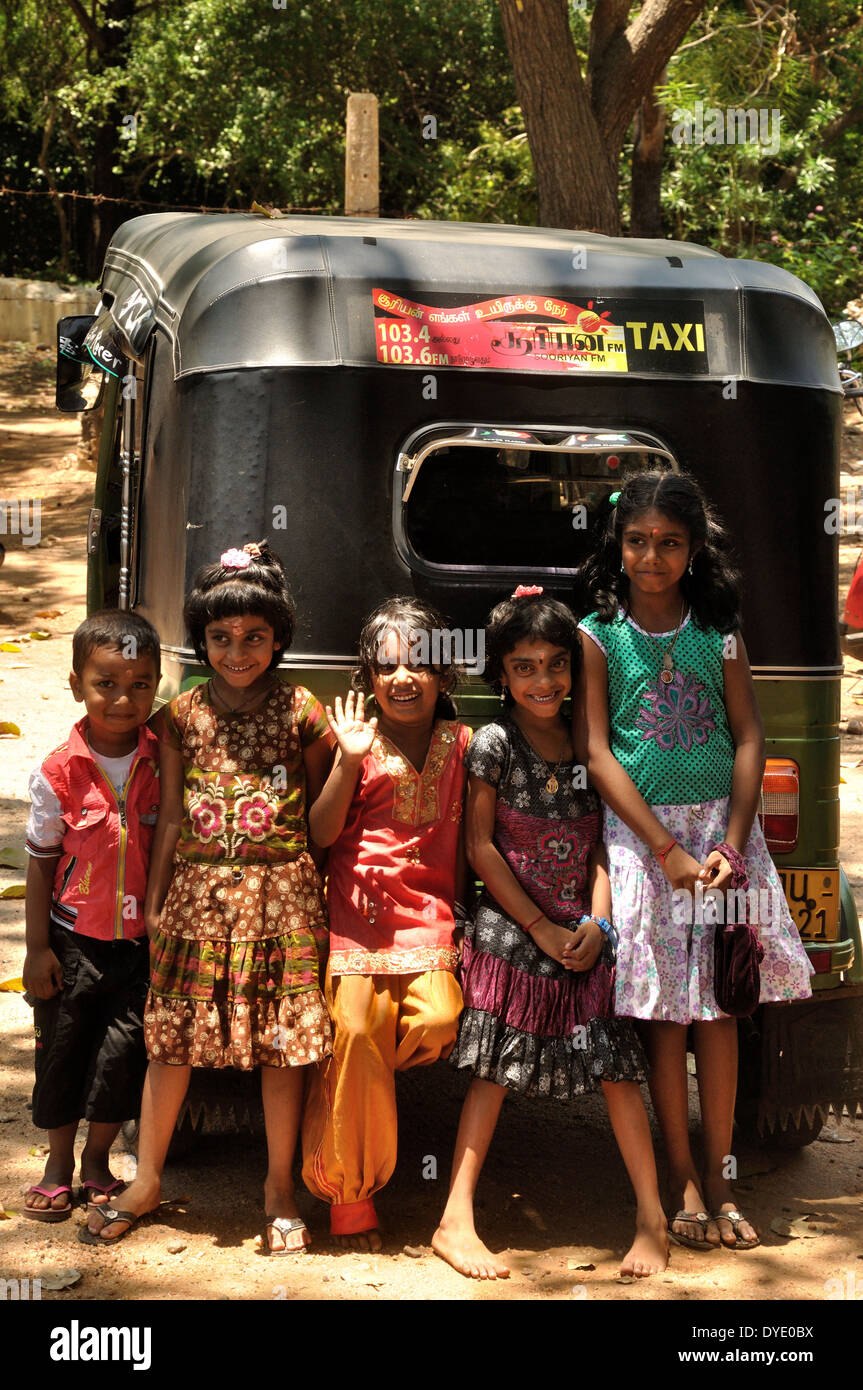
622, 568
502, 694
690, 566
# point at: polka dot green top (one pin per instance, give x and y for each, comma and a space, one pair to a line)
673, 739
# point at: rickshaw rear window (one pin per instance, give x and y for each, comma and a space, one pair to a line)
474, 505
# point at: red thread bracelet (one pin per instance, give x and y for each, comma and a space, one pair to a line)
663, 854
530, 926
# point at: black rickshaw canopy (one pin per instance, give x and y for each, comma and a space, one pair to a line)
239, 291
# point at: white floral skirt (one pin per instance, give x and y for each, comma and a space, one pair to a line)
665, 956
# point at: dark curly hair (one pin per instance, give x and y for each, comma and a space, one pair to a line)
415, 622
260, 589
520, 620
712, 590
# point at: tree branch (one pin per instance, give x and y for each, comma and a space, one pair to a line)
633, 61
91, 29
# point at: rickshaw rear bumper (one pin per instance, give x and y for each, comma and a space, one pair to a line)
810, 1056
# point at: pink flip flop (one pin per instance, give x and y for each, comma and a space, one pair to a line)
112, 1189
49, 1213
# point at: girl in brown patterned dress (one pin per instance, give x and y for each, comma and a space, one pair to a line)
234, 904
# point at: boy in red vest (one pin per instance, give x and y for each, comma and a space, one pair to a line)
93, 809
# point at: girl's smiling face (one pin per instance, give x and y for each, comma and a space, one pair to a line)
240, 649
655, 550
406, 693
538, 676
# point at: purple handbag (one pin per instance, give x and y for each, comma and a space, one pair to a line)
737, 952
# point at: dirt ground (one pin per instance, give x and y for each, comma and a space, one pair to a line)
559, 1205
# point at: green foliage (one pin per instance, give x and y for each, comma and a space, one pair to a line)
798, 205
235, 100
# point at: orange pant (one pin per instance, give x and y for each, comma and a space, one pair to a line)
383, 1024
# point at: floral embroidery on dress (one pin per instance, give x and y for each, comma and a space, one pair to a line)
208, 813
254, 815
678, 714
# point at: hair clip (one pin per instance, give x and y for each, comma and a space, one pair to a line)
527, 591
235, 559
613, 498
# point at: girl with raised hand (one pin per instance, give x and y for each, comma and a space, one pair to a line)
391, 814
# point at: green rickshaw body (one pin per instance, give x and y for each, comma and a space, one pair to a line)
440, 409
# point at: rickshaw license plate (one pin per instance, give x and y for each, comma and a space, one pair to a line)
813, 899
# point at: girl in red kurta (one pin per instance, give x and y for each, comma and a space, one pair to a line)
391, 810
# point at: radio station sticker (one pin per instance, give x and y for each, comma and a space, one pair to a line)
540, 333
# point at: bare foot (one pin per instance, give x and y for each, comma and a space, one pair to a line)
139, 1198
370, 1242
53, 1177
462, 1248
687, 1197
649, 1251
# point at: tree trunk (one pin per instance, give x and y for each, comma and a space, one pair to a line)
576, 128
645, 217
575, 182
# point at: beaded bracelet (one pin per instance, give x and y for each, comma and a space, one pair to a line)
604, 925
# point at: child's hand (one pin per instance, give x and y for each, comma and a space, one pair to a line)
716, 871
681, 870
582, 952
42, 974
353, 735
152, 921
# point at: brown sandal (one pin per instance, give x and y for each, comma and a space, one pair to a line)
695, 1218
734, 1219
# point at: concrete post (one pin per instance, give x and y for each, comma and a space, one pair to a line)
362, 186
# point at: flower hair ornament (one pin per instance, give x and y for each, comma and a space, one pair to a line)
527, 591
239, 559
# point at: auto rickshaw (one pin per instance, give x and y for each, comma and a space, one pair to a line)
442, 408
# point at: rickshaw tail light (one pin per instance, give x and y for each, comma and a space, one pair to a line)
780, 805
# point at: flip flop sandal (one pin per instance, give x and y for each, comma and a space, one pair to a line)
112, 1188
49, 1213
696, 1218
734, 1219
284, 1225
109, 1216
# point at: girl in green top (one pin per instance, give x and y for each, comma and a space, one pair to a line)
671, 733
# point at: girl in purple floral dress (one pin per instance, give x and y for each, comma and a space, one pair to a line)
234, 906
674, 745
538, 969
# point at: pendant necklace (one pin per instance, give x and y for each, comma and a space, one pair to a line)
249, 700
552, 783
666, 674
